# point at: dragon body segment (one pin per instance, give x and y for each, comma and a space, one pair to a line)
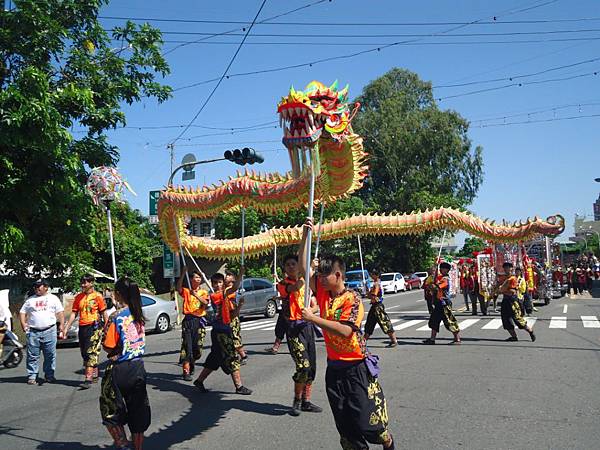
317, 128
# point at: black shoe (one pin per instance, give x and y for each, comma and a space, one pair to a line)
50, 380
532, 336
428, 341
86, 384
392, 344
310, 407
296, 408
187, 377
511, 339
244, 360
243, 390
200, 385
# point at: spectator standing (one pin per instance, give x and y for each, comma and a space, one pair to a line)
39, 316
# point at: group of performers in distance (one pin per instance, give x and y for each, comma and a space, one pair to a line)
352, 383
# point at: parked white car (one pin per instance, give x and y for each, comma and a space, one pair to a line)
422, 276
392, 282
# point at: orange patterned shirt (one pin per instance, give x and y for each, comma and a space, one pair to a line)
191, 304
89, 307
346, 308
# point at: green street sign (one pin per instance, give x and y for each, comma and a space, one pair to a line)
154, 196
171, 267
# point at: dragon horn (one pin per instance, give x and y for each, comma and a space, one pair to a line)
334, 86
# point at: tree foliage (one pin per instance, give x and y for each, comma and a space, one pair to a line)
60, 69
420, 157
472, 244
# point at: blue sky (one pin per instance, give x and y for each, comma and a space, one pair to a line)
544, 166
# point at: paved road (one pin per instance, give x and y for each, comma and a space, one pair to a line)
486, 393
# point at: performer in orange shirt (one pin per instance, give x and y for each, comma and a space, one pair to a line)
353, 390
510, 310
377, 312
193, 327
90, 307
442, 307
222, 351
300, 338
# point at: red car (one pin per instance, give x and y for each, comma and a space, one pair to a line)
412, 282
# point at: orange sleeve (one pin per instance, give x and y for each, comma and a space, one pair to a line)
76, 302
443, 284
512, 283
112, 337
352, 310
101, 304
282, 289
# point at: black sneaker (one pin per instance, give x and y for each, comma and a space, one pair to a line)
243, 390
428, 341
50, 380
244, 360
511, 339
296, 408
86, 384
311, 407
187, 377
200, 385
392, 344
532, 336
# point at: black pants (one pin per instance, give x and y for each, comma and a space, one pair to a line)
123, 396
510, 312
281, 327
429, 301
301, 343
358, 406
192, 339
476, 297
377, 315
90, 343
222, 352
443, 313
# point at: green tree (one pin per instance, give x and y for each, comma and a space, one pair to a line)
60, 69
420, 157
472, 244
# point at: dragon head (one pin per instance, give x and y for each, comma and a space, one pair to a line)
306, 114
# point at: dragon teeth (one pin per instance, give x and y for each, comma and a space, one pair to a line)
311, 120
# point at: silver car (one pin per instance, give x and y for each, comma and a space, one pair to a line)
260, 297
159, 314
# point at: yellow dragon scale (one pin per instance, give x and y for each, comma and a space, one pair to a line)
316, 127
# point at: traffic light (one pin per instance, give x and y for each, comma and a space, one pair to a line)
243, 156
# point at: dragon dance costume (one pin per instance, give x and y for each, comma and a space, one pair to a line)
193, 328
90, 308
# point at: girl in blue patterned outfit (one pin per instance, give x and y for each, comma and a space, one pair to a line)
123, 398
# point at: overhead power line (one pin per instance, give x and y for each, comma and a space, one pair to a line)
309, 5
361, 52
164, 127
222, 76
353, 24
516, 77
519, 84
385, 35
554, 119
533, 112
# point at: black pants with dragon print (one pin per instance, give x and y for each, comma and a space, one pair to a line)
301, 343
236, 332
193, 332
90, 344
443, 313
222, 352
358, 406
378, 315
511, 313
123, 396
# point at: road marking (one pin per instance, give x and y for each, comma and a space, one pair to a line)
422, 300
258, 327
467, 323
254, 323
269, 329
493, 324
410, 312
424, 328
408, 324
558, 322
590, 322
531, 321
565, 307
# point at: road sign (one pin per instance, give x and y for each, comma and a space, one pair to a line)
154, 196
171, 267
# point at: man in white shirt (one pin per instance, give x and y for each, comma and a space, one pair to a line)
38, 318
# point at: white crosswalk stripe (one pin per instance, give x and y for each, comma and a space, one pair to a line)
481, 323
590, 322
558, 322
